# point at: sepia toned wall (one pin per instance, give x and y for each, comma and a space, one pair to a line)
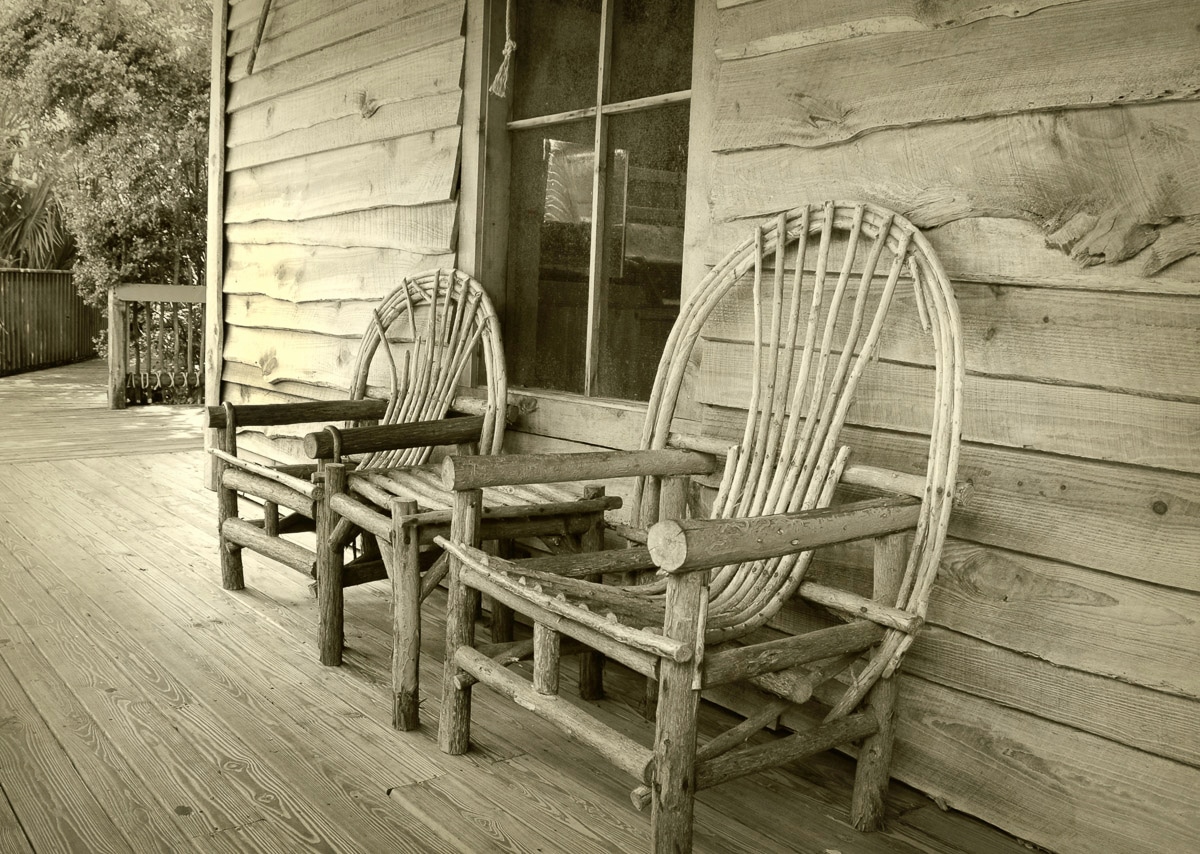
341, 166
1049, 149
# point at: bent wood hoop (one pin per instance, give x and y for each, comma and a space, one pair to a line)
817, 324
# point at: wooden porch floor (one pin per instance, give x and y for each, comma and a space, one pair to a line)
143, 708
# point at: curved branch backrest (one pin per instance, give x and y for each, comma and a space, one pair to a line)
433, 324
825, 308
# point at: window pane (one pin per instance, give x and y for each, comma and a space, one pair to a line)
644, 205
652, 48
549, 246
557, 56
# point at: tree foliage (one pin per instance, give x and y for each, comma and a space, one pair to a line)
112, 97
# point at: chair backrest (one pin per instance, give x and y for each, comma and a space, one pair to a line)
431, 327
809, 295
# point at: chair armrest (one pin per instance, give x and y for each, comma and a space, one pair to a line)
388, 437
460, 473
685, 545
366, 409
267, 414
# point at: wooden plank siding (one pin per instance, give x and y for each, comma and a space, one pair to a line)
1049, 151
1055, 691
341, 170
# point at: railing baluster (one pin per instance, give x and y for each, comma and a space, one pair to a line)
188, 364
157, 349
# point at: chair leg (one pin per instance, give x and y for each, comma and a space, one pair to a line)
546, 659
502, 616
875, 755
674, 784
454, 727
330, 627
591, 664
232, 576
406, 617
875, 759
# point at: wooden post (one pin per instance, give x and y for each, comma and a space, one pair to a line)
665, 498
214, 267
591, 664
271, 518
454, 729
118, 342
406, 616
875, 755
674, 782
330, 629
232, 577
502, 615
546, 659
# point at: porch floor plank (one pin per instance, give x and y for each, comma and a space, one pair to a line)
144, 708
56, 808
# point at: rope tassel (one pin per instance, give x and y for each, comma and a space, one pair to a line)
499, 85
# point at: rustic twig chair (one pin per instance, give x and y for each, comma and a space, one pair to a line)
815, 334
421, 339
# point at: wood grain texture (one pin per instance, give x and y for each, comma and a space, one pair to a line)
1119, 342
1076, 421
759, 27
1134, 522
398, 37
229, 691
411, 170
40, 783
371, 121
138, 761
1009, 251
1128, 714
12, 837
836, 92
283, 355
245, 12
302, 274
1037, 645
1097, 622
421, 229
1102, 184
310, 747
391, 83
1137, 523
1066, 790
300, 28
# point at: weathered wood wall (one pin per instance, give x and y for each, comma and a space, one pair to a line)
341, 165
1050, 150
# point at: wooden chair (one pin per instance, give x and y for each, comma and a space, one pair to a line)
421, 339
789, 485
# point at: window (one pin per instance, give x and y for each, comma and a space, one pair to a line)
597, 138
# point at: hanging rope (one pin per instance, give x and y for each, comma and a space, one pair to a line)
499, 85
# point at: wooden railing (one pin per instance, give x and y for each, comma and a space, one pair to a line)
43, 321
155, 344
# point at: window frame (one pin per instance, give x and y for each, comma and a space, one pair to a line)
483, 197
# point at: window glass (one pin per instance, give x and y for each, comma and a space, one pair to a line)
549, 248
644, 205
632, 286
556, 63
651, 50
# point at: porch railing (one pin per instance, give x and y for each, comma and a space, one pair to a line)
43, 321
155, 344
